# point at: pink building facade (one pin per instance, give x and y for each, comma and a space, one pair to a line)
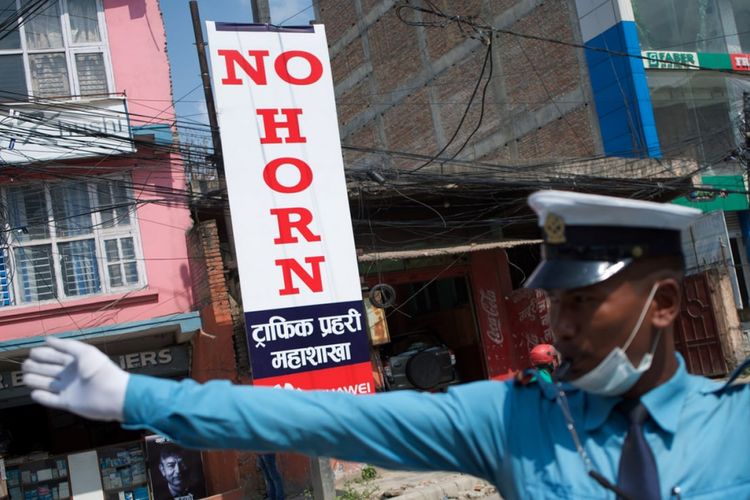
94, 214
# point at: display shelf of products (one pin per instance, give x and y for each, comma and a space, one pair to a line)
45, 479
123, 471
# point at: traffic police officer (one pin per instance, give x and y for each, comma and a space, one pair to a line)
627, 420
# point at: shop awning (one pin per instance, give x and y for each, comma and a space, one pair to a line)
182, 325
437, 251
150, 347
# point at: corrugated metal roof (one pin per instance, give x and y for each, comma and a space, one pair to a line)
451, 250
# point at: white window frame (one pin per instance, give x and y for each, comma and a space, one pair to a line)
69, 49
98, 234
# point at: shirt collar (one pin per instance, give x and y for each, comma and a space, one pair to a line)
663, 403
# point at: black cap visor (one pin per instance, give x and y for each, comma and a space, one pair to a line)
570, 273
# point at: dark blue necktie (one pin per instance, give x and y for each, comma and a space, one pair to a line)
638, 476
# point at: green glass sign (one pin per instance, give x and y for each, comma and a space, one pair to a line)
721, 192
670, 59
714, 61
660, 59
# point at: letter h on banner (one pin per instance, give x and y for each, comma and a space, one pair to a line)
271, 125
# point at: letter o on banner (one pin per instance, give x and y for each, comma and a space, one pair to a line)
270, 175
281, 64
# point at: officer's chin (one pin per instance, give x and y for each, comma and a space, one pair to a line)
575, 364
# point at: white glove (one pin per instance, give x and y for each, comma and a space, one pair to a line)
70, 375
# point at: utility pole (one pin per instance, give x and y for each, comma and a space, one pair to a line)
746, 113
745, 148
200, 46
218, 156
261, 11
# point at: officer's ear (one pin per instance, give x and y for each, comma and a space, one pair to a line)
666, 302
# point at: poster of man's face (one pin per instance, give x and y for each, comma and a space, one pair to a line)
176, 473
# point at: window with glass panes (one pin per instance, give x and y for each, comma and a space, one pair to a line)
53, 48
714, 26
69, 239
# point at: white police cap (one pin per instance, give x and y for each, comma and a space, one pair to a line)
589, 238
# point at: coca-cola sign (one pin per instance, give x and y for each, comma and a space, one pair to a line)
488, 301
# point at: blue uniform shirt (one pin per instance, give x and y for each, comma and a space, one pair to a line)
513, 436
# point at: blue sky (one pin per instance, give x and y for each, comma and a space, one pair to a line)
186, 82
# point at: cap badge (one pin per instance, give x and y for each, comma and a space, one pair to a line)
554, 229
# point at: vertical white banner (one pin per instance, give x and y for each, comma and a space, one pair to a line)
290, 210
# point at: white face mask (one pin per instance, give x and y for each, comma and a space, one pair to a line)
615, 375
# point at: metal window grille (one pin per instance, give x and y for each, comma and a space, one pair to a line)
57, 52
68, 239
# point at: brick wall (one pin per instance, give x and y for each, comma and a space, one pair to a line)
350, 103
213, 352
338, 16
349, 59
394, 52
365, 137
453, 91
535, 71
198, 269
442, 40
410, 124
564, 137
207, 269
419, 80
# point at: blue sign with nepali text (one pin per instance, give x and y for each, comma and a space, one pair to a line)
299, 339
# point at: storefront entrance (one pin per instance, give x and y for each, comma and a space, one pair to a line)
434, 339
50, 454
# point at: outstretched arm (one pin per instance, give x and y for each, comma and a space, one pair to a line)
399, 429
461, 430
